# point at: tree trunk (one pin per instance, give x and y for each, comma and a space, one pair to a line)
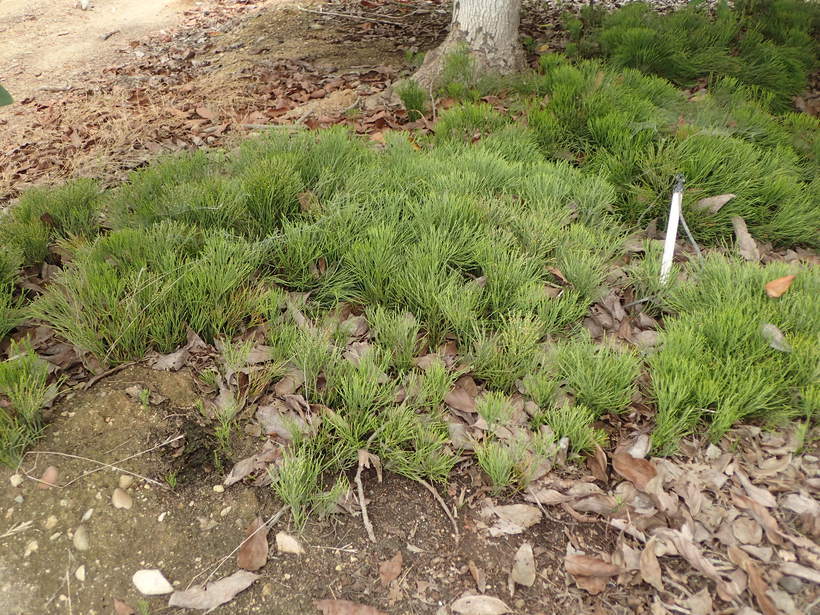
489, 31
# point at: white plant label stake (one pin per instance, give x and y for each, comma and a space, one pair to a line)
672, 230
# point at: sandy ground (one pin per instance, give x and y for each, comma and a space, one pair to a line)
51, 43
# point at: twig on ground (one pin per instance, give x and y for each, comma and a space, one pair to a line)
578, 516
267, 525
349, 16
443, 505
68, 582
103, 466
365, 518
691, 237
16, 529
106, 373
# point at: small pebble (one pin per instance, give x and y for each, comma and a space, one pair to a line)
80, 540
19, 499
126, 481
31, 547
224, 512
87, 514
16, 480
791, 584
121, 499
161, 517
49, 478
219, 488
79, 574
51, 522
55, 536
151, 583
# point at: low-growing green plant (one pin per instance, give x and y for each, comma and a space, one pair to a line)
414, 99
494, 408
11, 309
601, 378
502, 357
24, 383
45, 215
468, 122
541, 386
499, 461
576, 424
397, 334
715, 361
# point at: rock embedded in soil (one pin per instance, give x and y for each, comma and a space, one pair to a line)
16, 480
80, 540
79, 574
791, 584
151, 583
50, 523
126, 481
49, 478
121, 499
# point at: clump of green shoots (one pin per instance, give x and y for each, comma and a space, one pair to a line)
414, 99
24, 383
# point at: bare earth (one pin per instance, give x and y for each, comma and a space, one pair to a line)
50, 44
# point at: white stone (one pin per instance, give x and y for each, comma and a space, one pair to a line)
161, 517
126, 481
16, 480
151, 583
121, 499
80, 540
219, 488
79, 574
19, 499
87, 514
51, 522
31, 547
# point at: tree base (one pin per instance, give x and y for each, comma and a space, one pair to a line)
490, 59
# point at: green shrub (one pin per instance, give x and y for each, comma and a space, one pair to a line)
601, 378
715, 362
468, 122
24, 383
45, 215
414, 99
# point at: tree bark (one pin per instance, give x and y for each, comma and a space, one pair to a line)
489, 31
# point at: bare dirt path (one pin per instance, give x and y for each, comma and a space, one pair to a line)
50, 44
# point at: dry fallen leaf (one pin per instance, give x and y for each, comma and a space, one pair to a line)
747, 531
479, 605
478, 576
390, 569
596, 463
460, 399
121, 608
775, 337
650, 568
253, 554
285, 543
586, 566
745, 243
700, 603
523, 568
514, 519
547, 497
777, 287
216, 593
345, 607
638, 471
796, 570
757, 585
713, 204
